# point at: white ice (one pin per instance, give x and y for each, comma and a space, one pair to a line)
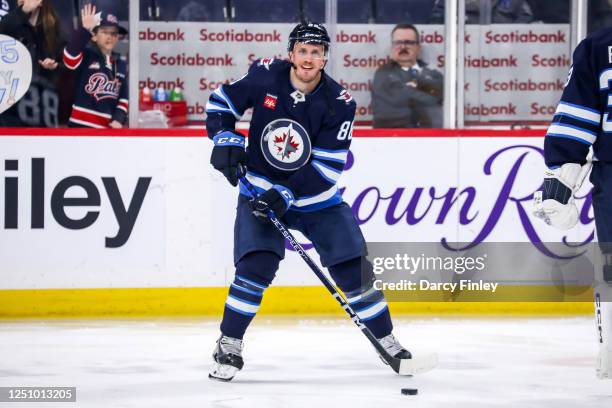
540, 363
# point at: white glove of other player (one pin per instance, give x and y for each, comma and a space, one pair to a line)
555, 203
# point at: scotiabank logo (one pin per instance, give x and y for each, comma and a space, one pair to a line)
85, 196
151, 35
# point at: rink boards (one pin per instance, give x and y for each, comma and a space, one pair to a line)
137, 223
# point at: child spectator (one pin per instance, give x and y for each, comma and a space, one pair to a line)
101, 98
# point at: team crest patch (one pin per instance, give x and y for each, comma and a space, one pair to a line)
100, 87
345, 96
265, 62
285, 144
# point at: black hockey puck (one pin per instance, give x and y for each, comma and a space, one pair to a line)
410, 391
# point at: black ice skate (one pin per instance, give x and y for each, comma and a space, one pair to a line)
228, 359
393, 347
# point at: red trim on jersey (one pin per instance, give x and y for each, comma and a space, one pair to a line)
85, 117
123, 104
72, 62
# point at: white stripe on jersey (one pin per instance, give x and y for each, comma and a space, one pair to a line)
331, 175
372, 311
333, 155
364, 295
259, 182
266, 185
92, 112
219, 92
85, 123
319, 198
241, 305
571, 132
579, 112
212, 107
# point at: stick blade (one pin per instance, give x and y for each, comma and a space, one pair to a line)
416, 365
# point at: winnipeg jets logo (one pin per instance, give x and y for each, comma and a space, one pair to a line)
100, 87
265, 62
345, 96
285, 144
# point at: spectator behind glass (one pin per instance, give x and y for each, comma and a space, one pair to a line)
35, 24
502, 12
101, 91
405, 92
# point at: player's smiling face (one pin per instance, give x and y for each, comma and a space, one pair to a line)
308, 60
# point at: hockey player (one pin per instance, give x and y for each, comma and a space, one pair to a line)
101, 97
581, 121
299, 139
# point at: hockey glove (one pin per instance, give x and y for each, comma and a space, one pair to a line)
278, 199
555, 203
228, 154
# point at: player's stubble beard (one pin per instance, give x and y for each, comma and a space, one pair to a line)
305, 79
308, 82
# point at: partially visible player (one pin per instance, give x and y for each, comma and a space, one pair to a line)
581, 121
101, 91
299, 139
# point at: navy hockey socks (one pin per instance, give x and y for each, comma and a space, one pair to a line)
254, 273
241, 306
355, 278
371, 307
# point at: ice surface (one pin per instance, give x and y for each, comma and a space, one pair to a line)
317, 363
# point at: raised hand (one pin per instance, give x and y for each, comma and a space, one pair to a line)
89, 18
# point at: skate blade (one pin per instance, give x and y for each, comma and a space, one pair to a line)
418, 365
222, 372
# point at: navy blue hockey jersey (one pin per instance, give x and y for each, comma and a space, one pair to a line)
296, 140
582, 116
101, 89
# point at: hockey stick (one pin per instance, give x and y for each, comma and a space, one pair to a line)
407, 366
